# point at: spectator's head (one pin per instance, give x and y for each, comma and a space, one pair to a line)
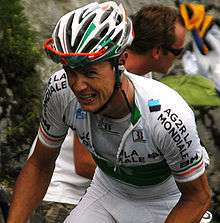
159, 38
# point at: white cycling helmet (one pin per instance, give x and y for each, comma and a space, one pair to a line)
92, 33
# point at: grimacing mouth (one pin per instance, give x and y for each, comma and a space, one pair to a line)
86, 96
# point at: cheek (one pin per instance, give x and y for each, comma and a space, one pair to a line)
108, 82
107, 87
71, 83
170, 60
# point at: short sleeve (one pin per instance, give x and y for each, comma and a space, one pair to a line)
175, 135
53, 129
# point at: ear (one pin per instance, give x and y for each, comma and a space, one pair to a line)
156, 51
123, 58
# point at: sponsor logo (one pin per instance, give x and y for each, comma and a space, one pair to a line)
59, 83
153, 155
55, 78
81, 114
154, 105
177, 130
189, 161
130, 157
138, 135
85, 139
107, 127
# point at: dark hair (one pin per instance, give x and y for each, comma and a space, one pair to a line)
154, 26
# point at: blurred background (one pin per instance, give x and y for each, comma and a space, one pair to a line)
24, 68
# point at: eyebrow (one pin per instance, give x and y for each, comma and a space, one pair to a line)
86, 69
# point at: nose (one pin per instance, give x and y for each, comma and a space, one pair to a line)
78, 82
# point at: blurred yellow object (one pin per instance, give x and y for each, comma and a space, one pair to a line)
196, 21
192, 14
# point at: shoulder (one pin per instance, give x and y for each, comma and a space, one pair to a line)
57, 83
59, 103
152, 94
58, 90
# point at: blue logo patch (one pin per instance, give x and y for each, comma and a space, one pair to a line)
80, 114
154, 105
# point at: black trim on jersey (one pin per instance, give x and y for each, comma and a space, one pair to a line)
42, 125
155, 108
143, 175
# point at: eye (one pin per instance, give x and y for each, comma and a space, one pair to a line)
90, 73
69, 72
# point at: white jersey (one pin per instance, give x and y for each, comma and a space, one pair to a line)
161, 140
65, 185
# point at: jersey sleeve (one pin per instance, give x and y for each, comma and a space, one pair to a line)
176, 136
53, 129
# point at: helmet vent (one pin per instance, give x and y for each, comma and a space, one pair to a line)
82, 32
104, 31
118, 20
87, 23
117, 38
106, 14
69, 33
91, 45
58, 44
69, 25
57, 39
127, 30
77, 41
111, 33
82, 14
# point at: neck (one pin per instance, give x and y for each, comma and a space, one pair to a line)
139, 64
118, 106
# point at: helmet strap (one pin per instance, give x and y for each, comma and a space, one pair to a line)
118, 72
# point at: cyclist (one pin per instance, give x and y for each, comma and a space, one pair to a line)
65, 182
139, 59
140, 132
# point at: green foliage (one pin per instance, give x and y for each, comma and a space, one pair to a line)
18, 49
196, 90
19, 55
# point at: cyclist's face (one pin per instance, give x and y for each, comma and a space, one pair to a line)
92, 85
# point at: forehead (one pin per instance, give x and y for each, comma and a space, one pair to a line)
99, 66
180, 33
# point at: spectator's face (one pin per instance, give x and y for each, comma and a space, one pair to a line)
167, 59
92, 85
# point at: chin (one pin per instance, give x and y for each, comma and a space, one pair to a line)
170, 69
89, 108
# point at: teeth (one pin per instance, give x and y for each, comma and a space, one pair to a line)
86, 96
